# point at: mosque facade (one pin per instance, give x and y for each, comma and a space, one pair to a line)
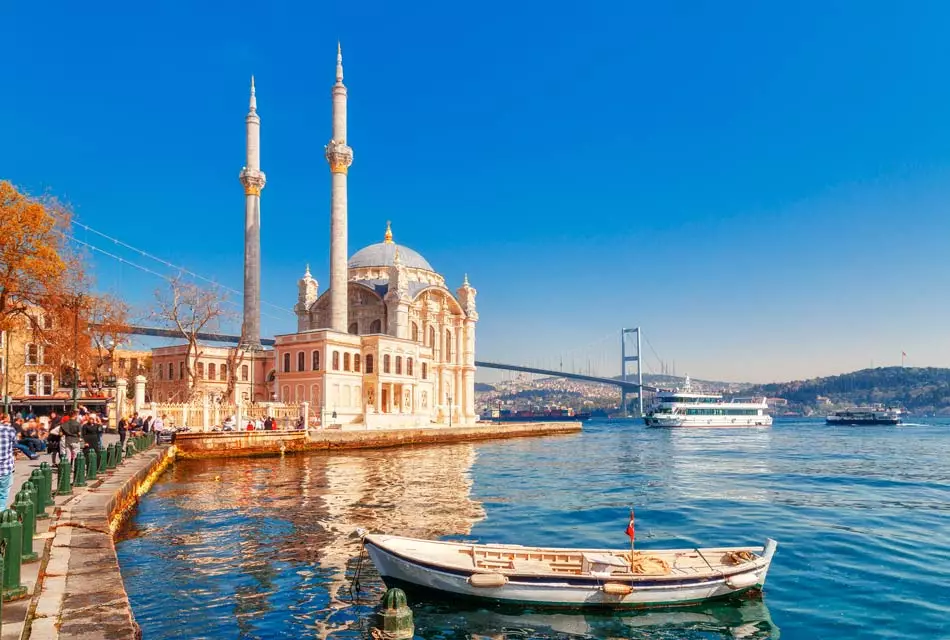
388, 343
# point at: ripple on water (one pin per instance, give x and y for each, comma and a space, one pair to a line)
266, 552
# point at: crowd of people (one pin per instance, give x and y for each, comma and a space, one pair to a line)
28, 436
256, 424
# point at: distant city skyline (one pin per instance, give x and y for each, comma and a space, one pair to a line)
762, 192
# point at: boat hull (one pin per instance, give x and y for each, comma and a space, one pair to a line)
857, 422
567, 592
681, 422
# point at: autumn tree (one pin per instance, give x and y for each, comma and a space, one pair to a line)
191, 310
108, 322
33, 234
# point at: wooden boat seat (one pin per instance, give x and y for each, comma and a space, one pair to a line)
530, 566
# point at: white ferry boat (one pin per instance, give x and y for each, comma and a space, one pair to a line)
687, 408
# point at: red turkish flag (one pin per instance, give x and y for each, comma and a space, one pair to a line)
630, 528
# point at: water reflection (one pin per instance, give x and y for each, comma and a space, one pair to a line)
746, 619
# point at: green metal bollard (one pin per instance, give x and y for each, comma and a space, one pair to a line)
129, 450
39, 481
93, 467
110, 457
118, 454
102, 462
79, 470
11, 532
47, 492
64, 486
3, 552
394, 617
24, 508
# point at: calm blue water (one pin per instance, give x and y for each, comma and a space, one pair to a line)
260, 548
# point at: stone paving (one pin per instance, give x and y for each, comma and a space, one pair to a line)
80, 593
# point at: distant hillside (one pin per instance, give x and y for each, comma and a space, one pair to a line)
922, 390
481, 386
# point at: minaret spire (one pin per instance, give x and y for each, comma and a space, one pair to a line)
340, 157
253, 180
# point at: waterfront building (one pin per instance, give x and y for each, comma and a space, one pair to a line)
223, 374
388, 343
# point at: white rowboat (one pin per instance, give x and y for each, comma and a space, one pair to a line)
569, 578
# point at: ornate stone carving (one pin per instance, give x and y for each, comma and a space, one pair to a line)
371, 396
253, 181
424, 400
407, 399
339, 156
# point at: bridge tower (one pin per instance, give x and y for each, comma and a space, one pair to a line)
624, 359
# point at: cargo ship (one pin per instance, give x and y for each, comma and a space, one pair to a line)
548, 415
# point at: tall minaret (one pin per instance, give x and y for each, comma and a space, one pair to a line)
253, 180
340, 157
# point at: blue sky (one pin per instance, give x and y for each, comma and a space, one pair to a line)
763, 188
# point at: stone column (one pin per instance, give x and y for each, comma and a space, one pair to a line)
339, 157
122, 390
305, 414
139, 392
205, 412
253, 180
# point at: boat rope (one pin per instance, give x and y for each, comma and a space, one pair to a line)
355, 585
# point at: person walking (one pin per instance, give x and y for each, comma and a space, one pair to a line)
72, 434
53, 443
7, 461
123, 429
91, 435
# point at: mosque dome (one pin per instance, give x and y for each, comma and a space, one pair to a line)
382, 254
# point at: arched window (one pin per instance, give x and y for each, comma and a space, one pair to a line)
386, 363
244, 372
448, 346
171, 371
181, 370
200, 370
301, 361
376, 327
285, 393
161, 397
356, 362
161, 372
432, 337
315, 361
415, 331
212, 371
425, 371
336, 360
224, 372
369, 363
398, 365
298, 397
408, 366
346, 362
353, 329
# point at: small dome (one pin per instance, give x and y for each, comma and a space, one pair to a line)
382, 254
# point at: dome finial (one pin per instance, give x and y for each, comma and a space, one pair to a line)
465, 281
388, 238
307, 273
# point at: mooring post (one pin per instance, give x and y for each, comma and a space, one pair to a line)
47, 484
118, 454
93, 464
129, 450
110, 457
394, 617
24, 509
102, 462
65, 487
38, 478
79, 473
11, 532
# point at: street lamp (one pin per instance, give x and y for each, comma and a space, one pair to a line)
76, 302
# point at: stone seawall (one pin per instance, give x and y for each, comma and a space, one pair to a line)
81, 593
262, 443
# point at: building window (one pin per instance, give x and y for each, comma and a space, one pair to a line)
3, 336
315, 361
161, 372
171, 371
301, 361
336, 360
285, 393
369, 363
181, 370
376, 327
200, 370
356, 362
425, 371
47, 322
386, 363
47, 384
398, 365
135, 365
415, 332
432, 337
224, 372
244, 373
212, 371
122, 364
286, 363
448, 346
346, 362
32, 354
353, 329
2, 369
32, 384
408, 366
